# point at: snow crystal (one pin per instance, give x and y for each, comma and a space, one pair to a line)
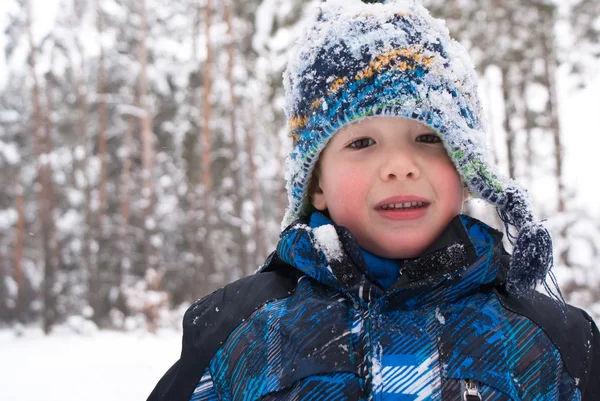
327, 241
87, 312
79, 152
80, 179
75, 197
79, 325
167, 206
154, 298
8, 218
439, 316
9, 116
9, 152
44, 159
94, 246
376, 371
166, 181
157, 241
357, 326
150, 223
11, 286
68, 221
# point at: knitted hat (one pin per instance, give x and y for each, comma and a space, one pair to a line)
391, 58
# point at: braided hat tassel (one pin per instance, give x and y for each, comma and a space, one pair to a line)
532, 258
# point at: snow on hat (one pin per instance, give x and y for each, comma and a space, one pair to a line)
360, 59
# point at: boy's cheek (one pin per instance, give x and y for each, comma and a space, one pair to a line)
445, 175
346, 201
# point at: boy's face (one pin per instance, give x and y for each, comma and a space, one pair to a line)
372, 168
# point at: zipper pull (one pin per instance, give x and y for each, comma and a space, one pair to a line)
471, 392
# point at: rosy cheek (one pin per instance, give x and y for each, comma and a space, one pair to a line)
448, 180
349, 191
447, 174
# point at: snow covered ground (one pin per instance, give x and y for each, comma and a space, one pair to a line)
93, 366
98, 366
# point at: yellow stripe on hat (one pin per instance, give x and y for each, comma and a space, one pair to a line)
384, 60
298, 122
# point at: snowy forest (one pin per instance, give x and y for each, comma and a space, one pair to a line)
143, 142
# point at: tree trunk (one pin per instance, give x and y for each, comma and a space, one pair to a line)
48, 127
125, 257
102, 121
259, 237
190, 154
94, 274
204, 280
549, 81
240, 238
509, 113
45, 190
18, 254
529, 123
90, 268
548, 20
147, 139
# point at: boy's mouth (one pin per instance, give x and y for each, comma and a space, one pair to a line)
402, 206
406, 207
402, 202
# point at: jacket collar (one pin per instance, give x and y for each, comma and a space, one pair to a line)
464, 257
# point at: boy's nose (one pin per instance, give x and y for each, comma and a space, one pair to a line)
399, 166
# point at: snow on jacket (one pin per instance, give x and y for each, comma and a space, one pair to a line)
314, 324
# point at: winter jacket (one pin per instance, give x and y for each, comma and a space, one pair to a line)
315, 324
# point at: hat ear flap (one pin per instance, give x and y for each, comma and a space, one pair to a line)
532, 257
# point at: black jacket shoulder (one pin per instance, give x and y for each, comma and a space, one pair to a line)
572, 331
210, 320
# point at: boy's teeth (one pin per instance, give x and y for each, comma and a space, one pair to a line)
405, 205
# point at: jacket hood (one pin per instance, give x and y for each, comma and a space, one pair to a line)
467, 255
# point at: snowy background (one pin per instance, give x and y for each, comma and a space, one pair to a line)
122, 272
97, 366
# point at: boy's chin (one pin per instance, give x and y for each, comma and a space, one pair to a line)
408, 245
406, 251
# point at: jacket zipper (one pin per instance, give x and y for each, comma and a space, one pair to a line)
471, 392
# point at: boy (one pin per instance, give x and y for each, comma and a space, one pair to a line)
379, 288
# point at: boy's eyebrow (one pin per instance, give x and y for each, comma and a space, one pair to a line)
350, 131
426, 128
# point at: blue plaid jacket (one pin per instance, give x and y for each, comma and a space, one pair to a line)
314, 325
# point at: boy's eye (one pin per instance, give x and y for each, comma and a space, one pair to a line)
361, 143
429, 138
